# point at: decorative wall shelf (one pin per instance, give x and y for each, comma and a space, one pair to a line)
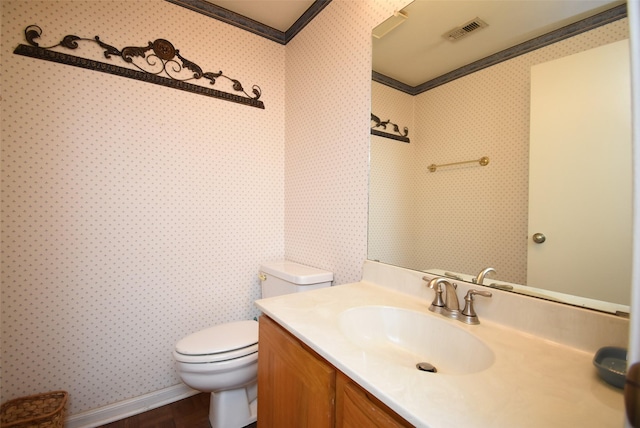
158, 62
398, 136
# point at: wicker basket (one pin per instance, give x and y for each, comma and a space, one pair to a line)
36, 411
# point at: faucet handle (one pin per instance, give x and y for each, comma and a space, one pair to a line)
438, 301
483, 293
438, 304
469, 315
436, 281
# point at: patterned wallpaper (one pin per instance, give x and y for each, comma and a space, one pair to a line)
328, 105
392, 182
134, 214
482, 114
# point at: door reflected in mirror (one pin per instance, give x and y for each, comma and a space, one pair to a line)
463, 218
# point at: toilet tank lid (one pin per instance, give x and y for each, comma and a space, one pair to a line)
296, 273
220, 338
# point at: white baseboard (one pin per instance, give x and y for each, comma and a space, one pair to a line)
133, 406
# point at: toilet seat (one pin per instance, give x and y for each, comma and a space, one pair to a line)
216, 358
220, 338
219, 343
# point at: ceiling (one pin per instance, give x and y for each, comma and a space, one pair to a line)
415, 52
278, 14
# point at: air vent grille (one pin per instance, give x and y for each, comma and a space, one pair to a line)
464, 30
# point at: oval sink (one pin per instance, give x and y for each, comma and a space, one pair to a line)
408, 337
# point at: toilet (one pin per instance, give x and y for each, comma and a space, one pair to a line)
223, 359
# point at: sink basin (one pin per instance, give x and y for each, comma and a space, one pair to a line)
408, 337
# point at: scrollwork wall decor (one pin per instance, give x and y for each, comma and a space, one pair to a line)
399, 135
159, 62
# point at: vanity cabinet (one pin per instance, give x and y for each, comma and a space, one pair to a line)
356, 408
298, 388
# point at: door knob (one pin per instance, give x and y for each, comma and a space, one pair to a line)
539, 238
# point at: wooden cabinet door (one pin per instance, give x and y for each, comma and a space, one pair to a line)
296, 388
355, 408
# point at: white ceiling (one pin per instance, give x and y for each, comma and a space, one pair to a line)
416, 52
278, 14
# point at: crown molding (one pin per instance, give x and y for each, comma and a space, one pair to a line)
248, 24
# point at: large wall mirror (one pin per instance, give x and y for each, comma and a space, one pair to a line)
499, 92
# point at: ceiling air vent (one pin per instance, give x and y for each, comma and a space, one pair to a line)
464, 30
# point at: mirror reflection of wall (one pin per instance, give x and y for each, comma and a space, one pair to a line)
467, 217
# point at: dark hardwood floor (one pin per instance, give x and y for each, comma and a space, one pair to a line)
192, 412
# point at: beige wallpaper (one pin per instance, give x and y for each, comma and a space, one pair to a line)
328, 105
482, 114
134, 214
392, 182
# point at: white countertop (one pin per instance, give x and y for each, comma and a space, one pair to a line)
533, 382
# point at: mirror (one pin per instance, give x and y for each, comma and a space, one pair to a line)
463, 218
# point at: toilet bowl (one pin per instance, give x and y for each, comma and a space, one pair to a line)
223, 359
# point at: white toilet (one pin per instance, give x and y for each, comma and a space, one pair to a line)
223, 359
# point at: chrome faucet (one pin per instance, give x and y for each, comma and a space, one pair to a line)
446, 301
447, 305
484, 272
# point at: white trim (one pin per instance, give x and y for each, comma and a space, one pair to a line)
130, 407
634, 29
634, 334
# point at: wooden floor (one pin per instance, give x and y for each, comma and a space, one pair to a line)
192, 412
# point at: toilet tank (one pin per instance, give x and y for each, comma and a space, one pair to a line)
285, 277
